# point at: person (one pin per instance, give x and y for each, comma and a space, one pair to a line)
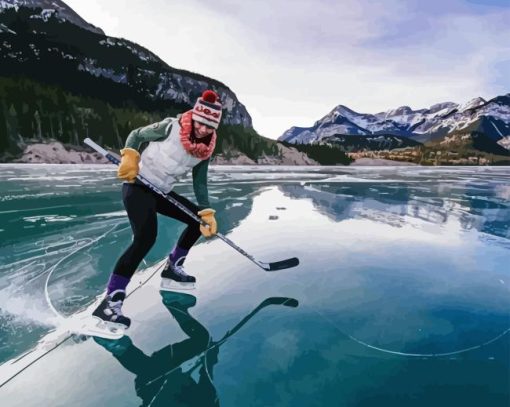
175, 147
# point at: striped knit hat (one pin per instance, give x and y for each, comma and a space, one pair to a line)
207, 109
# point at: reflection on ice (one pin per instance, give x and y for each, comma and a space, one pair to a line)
180, 372
405, 203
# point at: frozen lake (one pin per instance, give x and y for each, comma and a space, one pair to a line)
402, 296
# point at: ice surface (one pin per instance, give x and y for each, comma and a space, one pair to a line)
394, 263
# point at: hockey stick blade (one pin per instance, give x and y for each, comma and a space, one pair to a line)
280, 265
285, 301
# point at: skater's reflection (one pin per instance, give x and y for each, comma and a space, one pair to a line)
181, 373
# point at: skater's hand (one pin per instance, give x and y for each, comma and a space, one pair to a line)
128, 168
207, 216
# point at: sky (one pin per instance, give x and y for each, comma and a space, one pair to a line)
291, 62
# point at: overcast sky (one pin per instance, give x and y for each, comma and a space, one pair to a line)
291, 62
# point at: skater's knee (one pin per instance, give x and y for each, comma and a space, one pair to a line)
144, 241
200, 337
198, 342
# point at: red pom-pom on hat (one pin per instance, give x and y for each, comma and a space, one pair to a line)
209, 96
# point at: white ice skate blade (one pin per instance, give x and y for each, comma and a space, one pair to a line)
89, 325
168, 284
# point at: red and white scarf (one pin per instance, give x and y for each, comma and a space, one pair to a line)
196, 149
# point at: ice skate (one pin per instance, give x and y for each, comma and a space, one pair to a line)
173, 277
108, 314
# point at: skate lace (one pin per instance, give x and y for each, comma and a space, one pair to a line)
180, 270
116, 307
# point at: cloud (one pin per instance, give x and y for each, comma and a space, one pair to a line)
305, 28
290, 63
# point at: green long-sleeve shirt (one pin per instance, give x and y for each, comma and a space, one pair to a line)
158, 132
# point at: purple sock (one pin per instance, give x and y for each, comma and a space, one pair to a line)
117, 282
177, 253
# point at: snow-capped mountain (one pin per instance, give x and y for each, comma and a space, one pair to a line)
490, 117
47, 41
50, 8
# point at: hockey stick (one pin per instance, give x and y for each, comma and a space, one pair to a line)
278, 265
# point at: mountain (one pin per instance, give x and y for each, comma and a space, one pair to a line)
62, 79
491, 118
375, 142
471, 140
44, 9
47, 41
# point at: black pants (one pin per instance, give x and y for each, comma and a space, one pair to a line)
142, 206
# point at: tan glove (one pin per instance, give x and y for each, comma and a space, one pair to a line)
128, 168
207, 216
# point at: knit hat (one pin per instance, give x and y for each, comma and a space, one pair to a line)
207, 109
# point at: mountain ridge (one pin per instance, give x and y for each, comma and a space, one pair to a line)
421, 125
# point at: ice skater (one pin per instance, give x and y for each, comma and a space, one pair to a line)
175, 147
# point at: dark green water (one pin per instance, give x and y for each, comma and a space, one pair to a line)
401, 298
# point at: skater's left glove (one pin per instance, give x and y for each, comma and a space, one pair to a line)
207, 216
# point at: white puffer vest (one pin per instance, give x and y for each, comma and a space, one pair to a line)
165, 162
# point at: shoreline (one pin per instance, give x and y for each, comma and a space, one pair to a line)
54, 152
